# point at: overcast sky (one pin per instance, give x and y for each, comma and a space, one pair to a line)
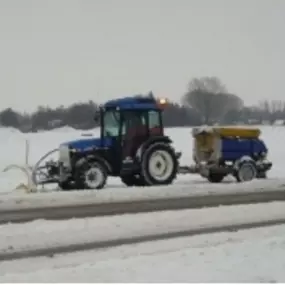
61, 51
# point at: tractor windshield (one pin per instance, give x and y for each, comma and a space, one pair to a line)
111, 123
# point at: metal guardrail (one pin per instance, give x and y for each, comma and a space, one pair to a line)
132, 207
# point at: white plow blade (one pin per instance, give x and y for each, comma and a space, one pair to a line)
27, 170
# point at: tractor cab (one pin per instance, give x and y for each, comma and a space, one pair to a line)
119, 116
126, 123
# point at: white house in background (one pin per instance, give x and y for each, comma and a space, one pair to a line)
279, 123
253, 122
55, 123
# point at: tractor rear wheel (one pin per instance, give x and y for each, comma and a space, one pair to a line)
159, 165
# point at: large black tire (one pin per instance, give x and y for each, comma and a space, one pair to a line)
91, 175
132, 180
165, 158
215, 177
246, 171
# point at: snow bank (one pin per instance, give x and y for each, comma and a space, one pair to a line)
117, 194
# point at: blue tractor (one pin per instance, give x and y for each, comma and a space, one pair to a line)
132, 145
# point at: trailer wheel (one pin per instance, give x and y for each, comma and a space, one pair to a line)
215, 177
246, 171
159, 165
261, 175
132, 180
91, 175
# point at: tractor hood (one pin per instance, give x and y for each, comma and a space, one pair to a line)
86, 144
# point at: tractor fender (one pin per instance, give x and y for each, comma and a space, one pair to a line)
94, 157
150, 141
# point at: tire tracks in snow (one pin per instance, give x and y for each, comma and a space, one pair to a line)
71, 248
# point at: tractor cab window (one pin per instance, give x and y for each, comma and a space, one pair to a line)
133, 121
141, 121
154, 122
111, 123
154, 119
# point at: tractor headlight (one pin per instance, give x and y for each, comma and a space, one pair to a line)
64, 156
263, 155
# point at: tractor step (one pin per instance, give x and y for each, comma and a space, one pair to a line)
129, 166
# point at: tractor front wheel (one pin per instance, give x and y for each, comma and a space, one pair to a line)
91, 175
159, 165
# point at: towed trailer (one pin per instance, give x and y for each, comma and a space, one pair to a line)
222, 151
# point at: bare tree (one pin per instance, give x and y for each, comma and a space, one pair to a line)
272, 110
209, 84
209, 97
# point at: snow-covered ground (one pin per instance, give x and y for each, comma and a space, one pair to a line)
13, 152
43, 234
249, 256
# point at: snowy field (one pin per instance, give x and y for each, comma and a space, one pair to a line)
13, 152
